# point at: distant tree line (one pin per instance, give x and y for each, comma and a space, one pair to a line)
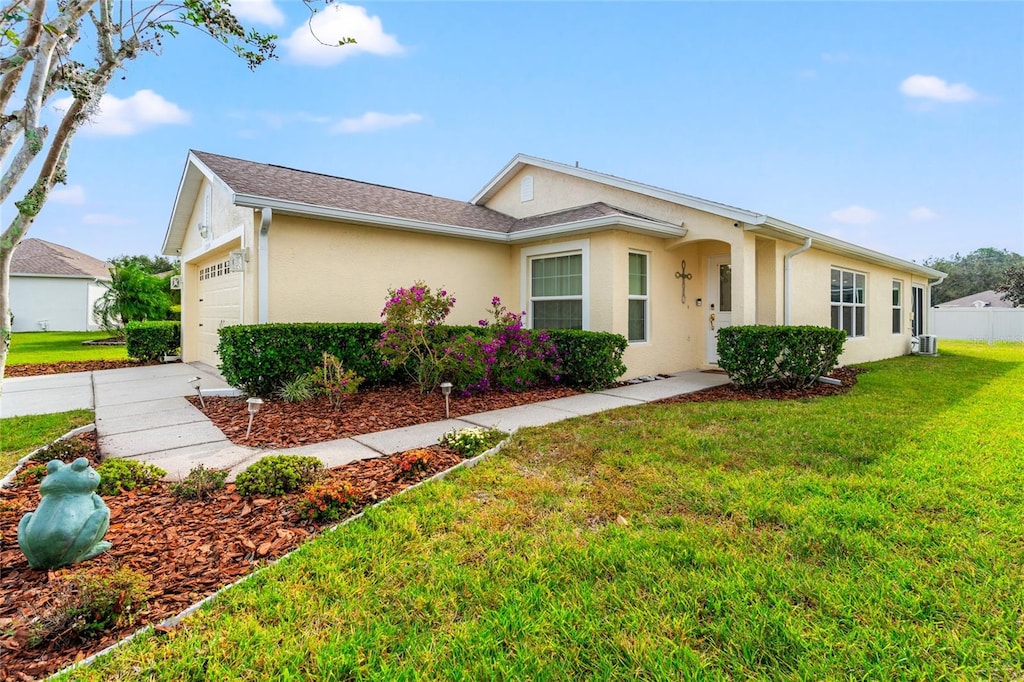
139, 290
982, 270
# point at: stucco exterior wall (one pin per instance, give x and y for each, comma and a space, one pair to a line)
64, 302
336, 272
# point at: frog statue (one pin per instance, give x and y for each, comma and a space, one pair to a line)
71, 520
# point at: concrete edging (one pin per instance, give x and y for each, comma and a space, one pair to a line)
176, 620
21, 462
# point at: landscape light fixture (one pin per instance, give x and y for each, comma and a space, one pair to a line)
195, 381
254, 406
446, 391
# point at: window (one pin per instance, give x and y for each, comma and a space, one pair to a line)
897, 307
637, 325
849, 302
556, 287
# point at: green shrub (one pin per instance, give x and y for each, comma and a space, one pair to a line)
65, 449
334, 381
298, 390
118, 475
200, 484
149, 341
276, 475
754, 355
326, 500
85, 605
470, 442
590, 360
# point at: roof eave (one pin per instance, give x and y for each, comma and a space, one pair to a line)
626, 223
184, 200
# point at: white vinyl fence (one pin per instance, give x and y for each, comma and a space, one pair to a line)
978, 324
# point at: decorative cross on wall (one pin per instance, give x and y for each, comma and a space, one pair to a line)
682, 276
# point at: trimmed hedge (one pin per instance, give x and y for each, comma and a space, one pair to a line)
590, 360
754, 355
260, 358
152, 340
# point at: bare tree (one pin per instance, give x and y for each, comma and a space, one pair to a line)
41, 55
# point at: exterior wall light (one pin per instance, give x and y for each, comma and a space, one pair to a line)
204, 230
254, 405
446, 391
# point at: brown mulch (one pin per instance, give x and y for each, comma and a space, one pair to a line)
71, 366
282, 424
847, 375
188, 549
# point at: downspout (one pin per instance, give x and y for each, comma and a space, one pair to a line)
788, 283
928, 307
263, 285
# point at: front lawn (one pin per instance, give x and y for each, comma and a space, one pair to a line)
29, 348
21, 435
875, 535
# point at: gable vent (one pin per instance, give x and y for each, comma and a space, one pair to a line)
526, 188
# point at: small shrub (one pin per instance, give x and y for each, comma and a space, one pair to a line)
118, 475
409, 316
277, 475
589, 360
415, 462
298, 390
31, 474
326, 500
66, 450
754, 355
200, 484
334, 381
149, 341
85, 605
472, 441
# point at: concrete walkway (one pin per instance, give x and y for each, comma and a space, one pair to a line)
141, 413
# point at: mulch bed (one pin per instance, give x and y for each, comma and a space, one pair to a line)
281, 424
847, 375
188, 549
72, 366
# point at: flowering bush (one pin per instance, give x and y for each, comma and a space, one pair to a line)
409, 316
326, 500
472, 441
334, 381
415, 462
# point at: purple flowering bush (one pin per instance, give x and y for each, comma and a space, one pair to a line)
409, 316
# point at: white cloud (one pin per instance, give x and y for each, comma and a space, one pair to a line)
934, 88
854, 215
108, 219
332, 23
258, 12
145, 109
72, 194
372, 120
922, 214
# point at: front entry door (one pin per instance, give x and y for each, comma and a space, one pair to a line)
718, 312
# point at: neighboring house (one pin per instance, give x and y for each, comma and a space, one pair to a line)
983, 316
572, 247
53, 287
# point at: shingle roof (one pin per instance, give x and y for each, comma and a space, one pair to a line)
571, 215
279, 182
991, 299
39, 257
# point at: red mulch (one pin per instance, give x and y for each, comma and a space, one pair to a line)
188, 549
847, 375
280, 424
71, 366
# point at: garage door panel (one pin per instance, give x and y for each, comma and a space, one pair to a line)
219, 306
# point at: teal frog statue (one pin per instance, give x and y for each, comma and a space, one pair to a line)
71, 520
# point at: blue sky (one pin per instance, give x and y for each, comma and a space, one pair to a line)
897, 126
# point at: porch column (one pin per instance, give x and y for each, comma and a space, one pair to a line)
743, 258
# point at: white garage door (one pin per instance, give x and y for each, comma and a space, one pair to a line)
219, 306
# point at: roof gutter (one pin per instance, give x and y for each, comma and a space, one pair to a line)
788, 280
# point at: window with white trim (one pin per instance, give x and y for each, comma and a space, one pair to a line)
849, 301
638, 288
897, 306
556, 291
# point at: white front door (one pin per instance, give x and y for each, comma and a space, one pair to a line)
718, 310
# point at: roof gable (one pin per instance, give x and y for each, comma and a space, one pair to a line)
39, 257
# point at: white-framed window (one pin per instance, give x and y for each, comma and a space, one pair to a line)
897, 306
556, 282
638, 318
849, 301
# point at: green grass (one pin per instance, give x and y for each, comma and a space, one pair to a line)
28, 348
876, 535
21, 435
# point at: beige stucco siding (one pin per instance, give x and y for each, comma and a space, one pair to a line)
329, 271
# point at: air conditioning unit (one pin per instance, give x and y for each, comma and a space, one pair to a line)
928, 344
176, 282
